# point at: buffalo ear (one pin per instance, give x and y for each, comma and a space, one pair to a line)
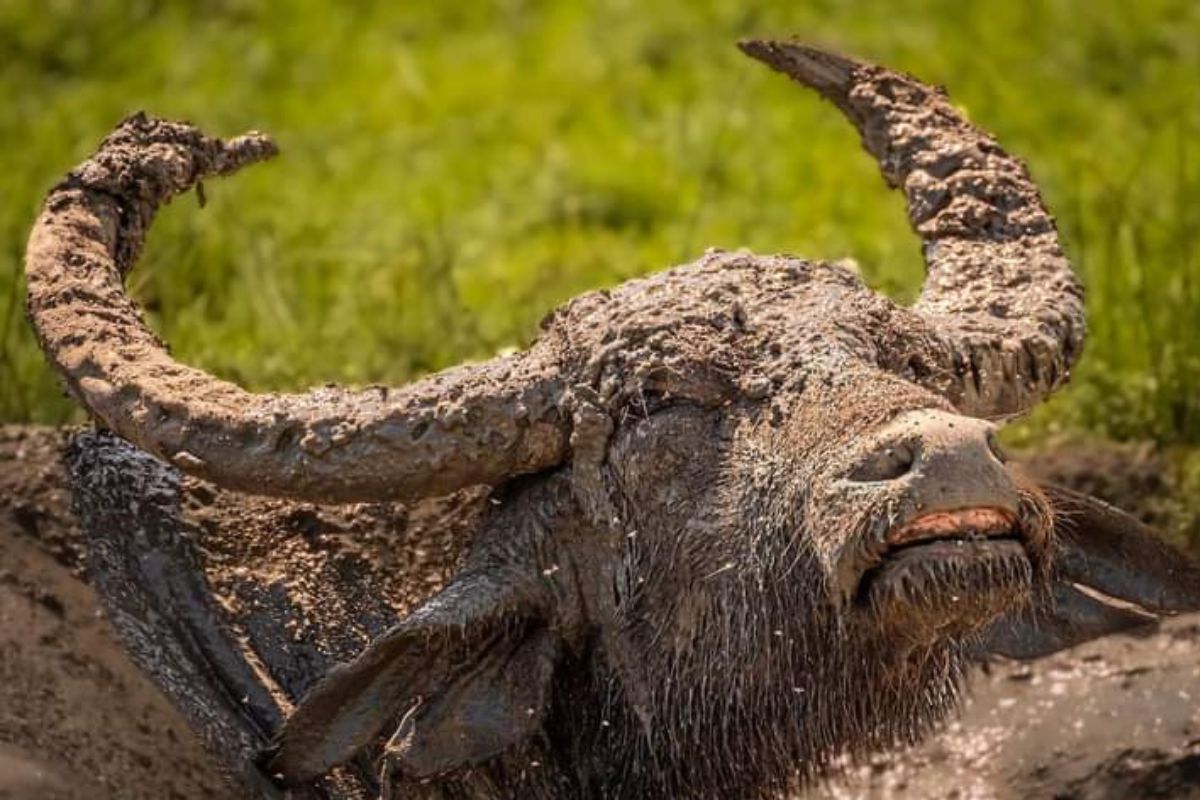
470, 670
1108, 550
1110, 573
1060, 618
491, 708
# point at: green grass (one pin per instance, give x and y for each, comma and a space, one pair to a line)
452, 171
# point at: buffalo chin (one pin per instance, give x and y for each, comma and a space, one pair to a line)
947, 588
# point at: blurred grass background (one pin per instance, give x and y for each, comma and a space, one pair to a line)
452, 171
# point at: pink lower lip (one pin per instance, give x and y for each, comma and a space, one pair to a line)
946, 524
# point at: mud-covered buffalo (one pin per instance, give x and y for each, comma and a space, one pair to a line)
743, 517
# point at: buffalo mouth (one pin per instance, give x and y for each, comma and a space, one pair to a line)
951, 570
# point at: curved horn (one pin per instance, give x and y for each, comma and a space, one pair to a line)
999, 292
465, 426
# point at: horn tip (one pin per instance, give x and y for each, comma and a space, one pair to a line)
139, 130
829, 73
248, 149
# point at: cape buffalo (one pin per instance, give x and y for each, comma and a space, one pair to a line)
738, 519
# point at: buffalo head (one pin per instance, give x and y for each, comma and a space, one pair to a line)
747, 515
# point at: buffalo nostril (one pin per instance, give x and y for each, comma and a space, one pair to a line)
886, 464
